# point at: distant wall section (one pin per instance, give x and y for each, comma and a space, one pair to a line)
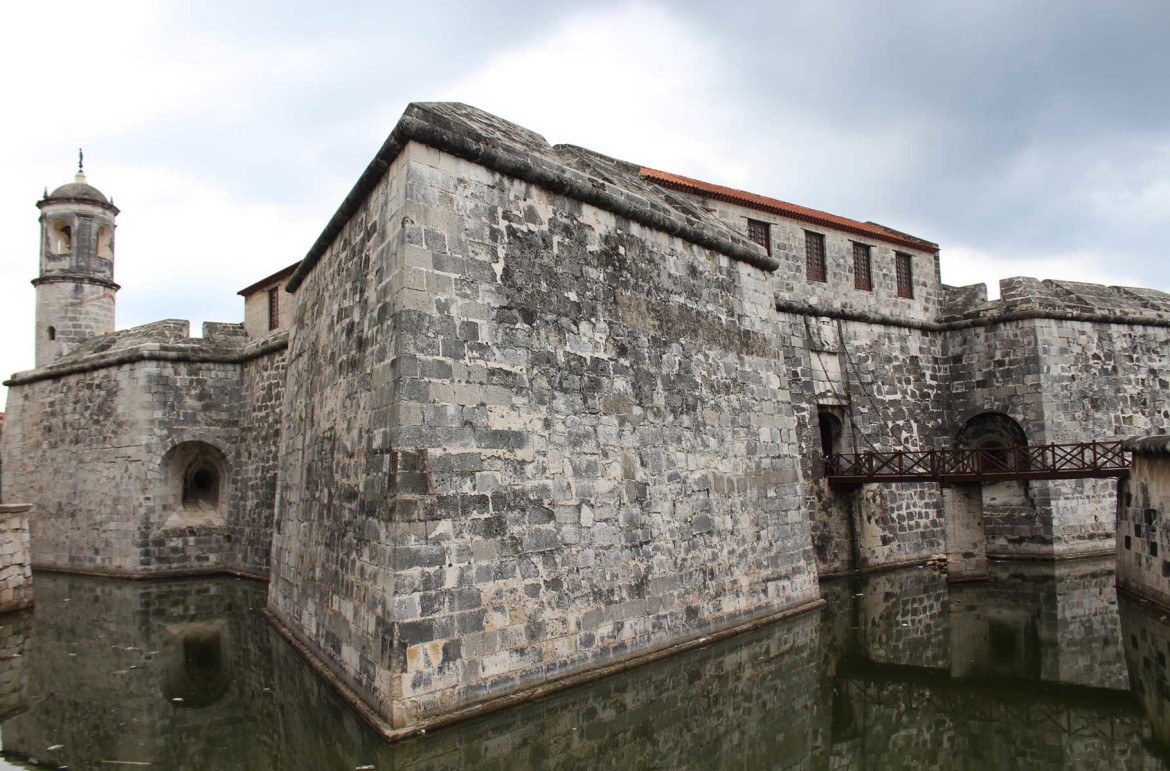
129, 452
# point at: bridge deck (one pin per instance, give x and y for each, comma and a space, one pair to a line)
1084, 460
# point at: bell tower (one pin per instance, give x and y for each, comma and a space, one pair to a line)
75, 288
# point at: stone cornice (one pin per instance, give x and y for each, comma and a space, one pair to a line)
54, 278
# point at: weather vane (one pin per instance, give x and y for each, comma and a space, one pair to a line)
80, 161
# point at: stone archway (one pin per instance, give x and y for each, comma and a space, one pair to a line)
1007, 513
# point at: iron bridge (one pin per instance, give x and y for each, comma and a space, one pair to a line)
1083, 460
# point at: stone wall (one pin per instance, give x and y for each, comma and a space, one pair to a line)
1101, 381
883, 380
870, 356
534, 437
996, 369
253, 504
1143, 521
16, 584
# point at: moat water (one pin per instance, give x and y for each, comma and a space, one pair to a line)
1045, 666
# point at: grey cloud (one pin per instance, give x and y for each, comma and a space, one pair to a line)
1009, 112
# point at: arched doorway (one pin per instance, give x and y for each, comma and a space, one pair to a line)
831, 430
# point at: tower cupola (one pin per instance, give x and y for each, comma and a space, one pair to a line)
75, 286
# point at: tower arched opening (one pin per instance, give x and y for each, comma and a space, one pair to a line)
105, 242
61, 237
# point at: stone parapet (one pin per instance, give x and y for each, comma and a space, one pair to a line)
496, 144
15, 565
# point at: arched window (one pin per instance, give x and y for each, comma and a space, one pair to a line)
52, 333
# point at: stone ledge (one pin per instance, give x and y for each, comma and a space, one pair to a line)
1158, 444
173, 352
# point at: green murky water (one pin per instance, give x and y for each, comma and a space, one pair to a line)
1042, 667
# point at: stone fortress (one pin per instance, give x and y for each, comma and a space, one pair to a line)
526, 414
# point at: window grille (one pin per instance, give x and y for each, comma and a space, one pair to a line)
814, 256
862, 276
273, 308
905, 275
760, 232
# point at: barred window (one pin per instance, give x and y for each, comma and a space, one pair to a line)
862, 277
905, 275
273, 308
814, 256
760, 232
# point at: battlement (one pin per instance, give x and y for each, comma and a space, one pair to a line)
1029, 297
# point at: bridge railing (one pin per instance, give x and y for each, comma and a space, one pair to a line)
1046, 461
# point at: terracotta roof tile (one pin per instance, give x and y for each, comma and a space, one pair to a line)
763, 203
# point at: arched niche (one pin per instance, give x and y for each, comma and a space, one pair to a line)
197, 484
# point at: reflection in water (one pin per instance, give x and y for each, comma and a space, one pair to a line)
1029, 670
199, 674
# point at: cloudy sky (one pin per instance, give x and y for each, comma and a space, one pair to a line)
1026, 138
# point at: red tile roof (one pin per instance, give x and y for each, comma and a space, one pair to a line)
803, 213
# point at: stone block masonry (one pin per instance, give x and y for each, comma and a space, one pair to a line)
16, 583
1143, 521
526, 438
